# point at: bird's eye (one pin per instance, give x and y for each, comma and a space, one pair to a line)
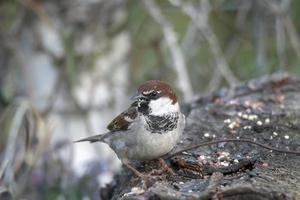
153, 94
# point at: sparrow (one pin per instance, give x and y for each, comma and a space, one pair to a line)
149, 128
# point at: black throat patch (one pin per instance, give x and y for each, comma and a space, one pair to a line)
161, 124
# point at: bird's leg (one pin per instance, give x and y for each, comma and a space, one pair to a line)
151, 178
136, 172
148, 180
165, 167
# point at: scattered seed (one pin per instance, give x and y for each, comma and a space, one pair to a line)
231, 126
252, 117
275, 133
206, 134
226, 164
227, 121
135, 191
267, 120
265, 164
247, 103
259, 123
245, 116
236, 160
286, 137
223, 154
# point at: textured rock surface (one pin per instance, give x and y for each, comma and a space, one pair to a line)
266, 110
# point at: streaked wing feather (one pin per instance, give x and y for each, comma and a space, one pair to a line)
123, 121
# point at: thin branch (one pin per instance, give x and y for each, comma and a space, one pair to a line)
6, 170
293, 35
281, 10
260, 40
280, 41
175, 50
200, 18
233, 140
215, 80
189, 49
240, 28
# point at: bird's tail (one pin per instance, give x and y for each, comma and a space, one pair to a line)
95, 138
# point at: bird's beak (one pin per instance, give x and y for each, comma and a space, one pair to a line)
138, 97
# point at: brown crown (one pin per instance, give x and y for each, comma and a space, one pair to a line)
163, 88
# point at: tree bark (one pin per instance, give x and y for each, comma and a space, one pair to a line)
266, 110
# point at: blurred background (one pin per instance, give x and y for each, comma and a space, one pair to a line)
68, 67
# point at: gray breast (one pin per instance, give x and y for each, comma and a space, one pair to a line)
161, 124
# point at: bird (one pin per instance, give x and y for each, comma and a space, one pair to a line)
150, 128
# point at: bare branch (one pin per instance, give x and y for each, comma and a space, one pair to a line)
215, 80
200, 18
293, 35
280, 41
6, 170
232, 46
280, 10
260, 40
176, 52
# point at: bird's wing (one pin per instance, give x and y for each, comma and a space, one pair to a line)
124, 120
120, 123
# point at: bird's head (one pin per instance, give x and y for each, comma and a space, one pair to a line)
156, 98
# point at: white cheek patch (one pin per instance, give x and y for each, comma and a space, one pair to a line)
162, 105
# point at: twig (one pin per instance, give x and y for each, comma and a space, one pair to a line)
281, 10
260, 40
200, 17
232, 45
176, 52
189, 49
215, 80
12, 140
280, 41
234, 140
294, 39
242, 14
